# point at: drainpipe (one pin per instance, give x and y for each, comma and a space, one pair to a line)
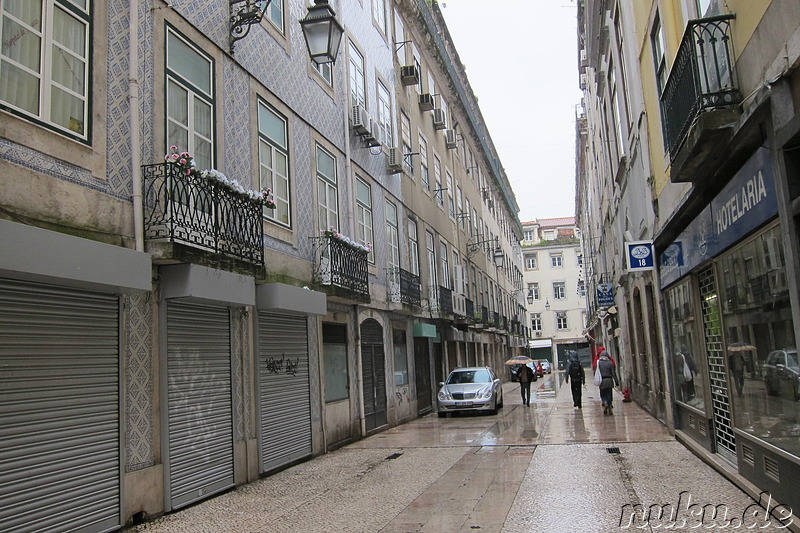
133, 102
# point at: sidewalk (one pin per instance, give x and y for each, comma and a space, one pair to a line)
549, 467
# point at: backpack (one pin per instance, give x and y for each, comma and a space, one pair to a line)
575, 370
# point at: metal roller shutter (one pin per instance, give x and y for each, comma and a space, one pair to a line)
373, 374
200, 402
59, 409
285, 395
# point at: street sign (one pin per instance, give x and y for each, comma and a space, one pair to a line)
605, 295
640, 255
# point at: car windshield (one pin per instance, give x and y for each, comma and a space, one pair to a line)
469, 376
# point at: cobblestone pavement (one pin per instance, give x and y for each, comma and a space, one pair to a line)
549, 467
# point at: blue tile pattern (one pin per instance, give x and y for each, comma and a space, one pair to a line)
138, 381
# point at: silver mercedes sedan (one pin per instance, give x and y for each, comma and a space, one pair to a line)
470, 389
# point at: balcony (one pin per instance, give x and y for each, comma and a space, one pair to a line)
698, 104
187, 217
495, 320
470, 309
340, 268
404, 287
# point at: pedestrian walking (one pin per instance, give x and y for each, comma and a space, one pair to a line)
608, 380
525, 375
576, 373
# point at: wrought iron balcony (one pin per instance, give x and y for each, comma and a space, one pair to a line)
702, 78
404, 287
445, 301
342, 267
469, 306
484, 314
202, 213
496, 320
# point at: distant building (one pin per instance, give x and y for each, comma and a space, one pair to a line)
555, 290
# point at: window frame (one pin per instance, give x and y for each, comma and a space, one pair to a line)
45, 82
330, 184
275, 146
364, 222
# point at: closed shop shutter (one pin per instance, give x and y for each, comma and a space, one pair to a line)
59, 409
285, 398
200, 404
373, 373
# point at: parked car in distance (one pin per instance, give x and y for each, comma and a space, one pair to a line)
470, 389
515, 368
547, 368
782, 373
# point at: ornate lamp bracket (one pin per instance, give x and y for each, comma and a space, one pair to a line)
245, 13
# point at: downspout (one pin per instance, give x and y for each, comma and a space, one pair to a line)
133, 102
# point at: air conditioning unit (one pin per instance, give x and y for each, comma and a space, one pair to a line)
409, 75
426, 101
538, 333
438, 119
371, 135
360, 119
450, 140
394, 161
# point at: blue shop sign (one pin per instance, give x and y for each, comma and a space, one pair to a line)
641, 255
746, 202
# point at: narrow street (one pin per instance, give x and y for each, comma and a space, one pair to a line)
549, 467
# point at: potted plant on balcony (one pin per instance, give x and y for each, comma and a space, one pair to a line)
333, 233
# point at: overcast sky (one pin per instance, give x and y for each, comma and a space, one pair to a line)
521, 60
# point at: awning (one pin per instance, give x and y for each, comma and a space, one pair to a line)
424, 330
544, 343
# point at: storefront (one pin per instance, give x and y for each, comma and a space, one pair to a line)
733, 358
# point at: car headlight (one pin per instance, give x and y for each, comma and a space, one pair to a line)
444, 395
485, 393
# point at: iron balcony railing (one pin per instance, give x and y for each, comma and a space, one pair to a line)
484, 314
202, 213
445, 301
404, 286
469, 309
496, 319
345, 266
701, 78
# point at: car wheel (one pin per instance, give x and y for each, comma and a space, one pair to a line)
494, 409
501, 400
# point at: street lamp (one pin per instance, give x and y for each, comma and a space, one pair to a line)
499, 257
322, 32
547, 304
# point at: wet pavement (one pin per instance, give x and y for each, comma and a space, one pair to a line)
549, 467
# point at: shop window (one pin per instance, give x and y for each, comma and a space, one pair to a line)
334, 352
760, 346
688, 381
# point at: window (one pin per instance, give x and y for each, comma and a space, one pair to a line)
273, 160
561, 320
460, 207
619, 139
379, 14
400, 357
559, 290
685, 336
44, 62
413, 248
275, 14
529, 235
536, 322
533, 289
451, 204
530, 262
423, 163
445, 265
579, 260
556, 260
384, 117
357, 85
659, 56
405, 135
433, 283
190, 100
393, 235
325, 71
364, 215
581, 288
334, 354
437, 175
327, 195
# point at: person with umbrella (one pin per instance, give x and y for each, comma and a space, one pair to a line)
525, 376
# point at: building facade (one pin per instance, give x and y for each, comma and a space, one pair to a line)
689, 134
224, 257
555, 289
